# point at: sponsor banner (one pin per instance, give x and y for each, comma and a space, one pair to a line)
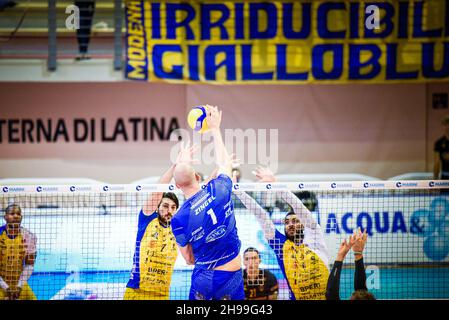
106, 188
294, 186
401, 229
406, 229
258, 42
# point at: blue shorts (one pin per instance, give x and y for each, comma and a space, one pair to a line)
217, 285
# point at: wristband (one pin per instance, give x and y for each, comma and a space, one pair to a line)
357, 253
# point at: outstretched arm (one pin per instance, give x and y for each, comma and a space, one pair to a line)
333, 283
261, 215
222, 158
184, 156
301, 211
359, 274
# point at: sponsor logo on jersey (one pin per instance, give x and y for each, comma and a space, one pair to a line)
216, 234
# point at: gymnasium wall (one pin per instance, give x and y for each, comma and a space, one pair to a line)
377, 130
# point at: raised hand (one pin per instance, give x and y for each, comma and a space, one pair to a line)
264, 174
213, 117
186, 152
360, 241
345, 246
235, 161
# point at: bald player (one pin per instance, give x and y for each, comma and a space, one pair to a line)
17, 256
205, 226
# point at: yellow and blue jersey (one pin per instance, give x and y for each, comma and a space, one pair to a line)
13, 250
154, 257
304, 265
205, 218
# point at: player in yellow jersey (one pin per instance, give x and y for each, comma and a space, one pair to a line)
156, 249
301, 251
17, 256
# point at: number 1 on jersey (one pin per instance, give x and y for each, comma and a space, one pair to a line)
212, 216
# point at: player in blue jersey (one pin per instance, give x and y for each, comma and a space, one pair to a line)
205, 226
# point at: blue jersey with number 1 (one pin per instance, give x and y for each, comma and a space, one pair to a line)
207, 222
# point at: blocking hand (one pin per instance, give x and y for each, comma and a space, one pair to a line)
264, 174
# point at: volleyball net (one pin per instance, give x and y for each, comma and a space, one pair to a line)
88, 236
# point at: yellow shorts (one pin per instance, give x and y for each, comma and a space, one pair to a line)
138, 294
25, 294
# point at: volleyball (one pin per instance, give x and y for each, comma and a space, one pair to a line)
197, 119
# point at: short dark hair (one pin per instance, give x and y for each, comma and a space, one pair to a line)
362, 295
252, 249
171, 196
289, 213
11, 206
